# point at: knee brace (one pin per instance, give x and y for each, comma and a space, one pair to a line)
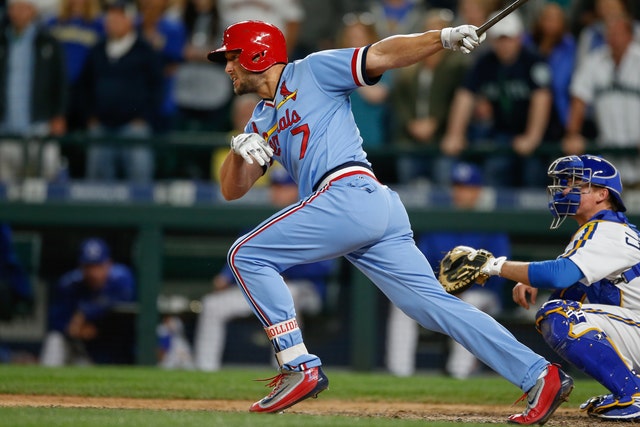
564, 327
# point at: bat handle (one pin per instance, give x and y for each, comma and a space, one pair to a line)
482, 29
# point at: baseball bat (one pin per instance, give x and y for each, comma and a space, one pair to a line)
499, 16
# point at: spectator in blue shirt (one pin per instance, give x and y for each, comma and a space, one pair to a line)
168, 38
78, 26
83, 327
551, 39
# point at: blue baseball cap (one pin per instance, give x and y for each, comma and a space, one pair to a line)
94, 251
279, 175
466, 174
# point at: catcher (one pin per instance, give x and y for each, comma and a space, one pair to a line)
593, 316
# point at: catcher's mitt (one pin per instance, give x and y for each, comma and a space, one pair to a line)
461, 268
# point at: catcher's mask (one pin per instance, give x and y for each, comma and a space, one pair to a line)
261, 45
572, 173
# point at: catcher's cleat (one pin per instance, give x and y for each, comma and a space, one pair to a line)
627, 409
605, 402
597, 403
291, 387
544, 397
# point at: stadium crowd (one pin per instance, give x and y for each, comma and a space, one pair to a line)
556, 75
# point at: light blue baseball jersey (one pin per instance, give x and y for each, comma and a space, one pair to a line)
309, 124
312, 131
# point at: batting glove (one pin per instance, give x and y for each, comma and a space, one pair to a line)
463, 38
493, 266
252, 146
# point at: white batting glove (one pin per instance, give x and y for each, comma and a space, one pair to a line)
493, 266
463, 38
252, 146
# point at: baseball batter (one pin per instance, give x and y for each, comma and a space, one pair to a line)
304, 122
593, 318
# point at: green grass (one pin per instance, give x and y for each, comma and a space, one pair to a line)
147, 382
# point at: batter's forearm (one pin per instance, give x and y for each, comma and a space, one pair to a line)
401, 51
237, 176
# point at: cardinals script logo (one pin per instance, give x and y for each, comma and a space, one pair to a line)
286, 94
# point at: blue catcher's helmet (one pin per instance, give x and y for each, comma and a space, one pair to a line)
587, 169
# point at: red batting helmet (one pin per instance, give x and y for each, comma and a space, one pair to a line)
261, 45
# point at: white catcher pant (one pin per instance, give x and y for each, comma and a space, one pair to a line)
621, 325
403, 334
218, 308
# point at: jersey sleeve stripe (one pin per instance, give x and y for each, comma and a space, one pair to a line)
358, 66
356, 71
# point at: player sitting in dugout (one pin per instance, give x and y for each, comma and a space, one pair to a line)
83, 328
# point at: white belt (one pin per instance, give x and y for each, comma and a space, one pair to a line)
340, 173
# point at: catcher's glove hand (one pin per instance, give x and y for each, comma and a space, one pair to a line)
462, 267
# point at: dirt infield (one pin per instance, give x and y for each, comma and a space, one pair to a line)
567, 416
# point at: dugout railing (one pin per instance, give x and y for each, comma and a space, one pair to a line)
187, 154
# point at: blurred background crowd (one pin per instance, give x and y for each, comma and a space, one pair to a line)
120, 91
115, 76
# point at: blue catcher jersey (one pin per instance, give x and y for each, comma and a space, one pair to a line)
309, 126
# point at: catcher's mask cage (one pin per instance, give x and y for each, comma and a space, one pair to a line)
261, 45
570, 174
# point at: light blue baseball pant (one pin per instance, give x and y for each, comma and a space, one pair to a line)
366, 222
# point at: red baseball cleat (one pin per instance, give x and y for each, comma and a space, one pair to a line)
544, 397
291, 387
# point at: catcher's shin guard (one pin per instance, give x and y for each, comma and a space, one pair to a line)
591, 351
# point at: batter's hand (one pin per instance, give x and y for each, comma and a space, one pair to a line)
252, 146
462, 38
520, 293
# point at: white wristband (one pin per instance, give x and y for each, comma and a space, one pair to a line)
493, 267
445, 37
